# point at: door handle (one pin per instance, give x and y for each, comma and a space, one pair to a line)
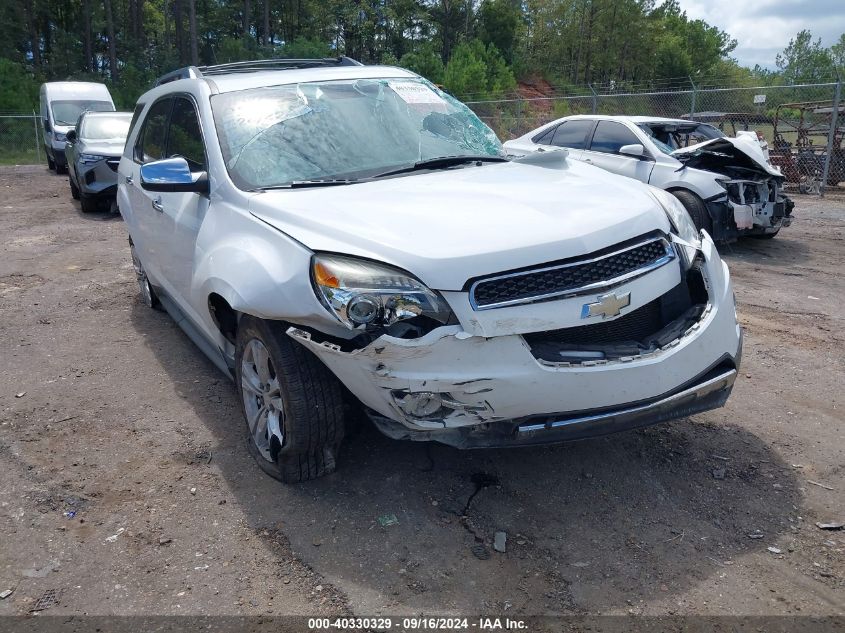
587, 160
157, 204
128, 180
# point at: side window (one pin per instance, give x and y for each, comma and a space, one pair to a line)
150, 143
185, 137
573, 134
546, 137
135, 116
610, 136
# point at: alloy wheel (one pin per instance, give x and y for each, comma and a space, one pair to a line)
262, 398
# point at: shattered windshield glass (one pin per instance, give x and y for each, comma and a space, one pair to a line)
271, 137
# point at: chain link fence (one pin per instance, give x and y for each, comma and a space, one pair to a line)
20, 139
803, 125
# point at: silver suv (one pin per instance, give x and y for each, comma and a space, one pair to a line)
343, 238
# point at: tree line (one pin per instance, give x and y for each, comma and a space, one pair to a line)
472, 47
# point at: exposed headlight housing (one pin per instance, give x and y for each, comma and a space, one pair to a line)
60, 137
368, 295
679, 218
87, 159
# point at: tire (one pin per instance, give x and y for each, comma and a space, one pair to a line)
696, 209
89, 205
145, 289
74, 190
50, 164
295, 401
61, 169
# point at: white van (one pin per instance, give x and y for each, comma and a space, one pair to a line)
61, 104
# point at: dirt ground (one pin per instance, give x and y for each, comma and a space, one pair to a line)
126, 486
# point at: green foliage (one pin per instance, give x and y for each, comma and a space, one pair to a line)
132, 83
805, 61
498, 22
478, 71
304, 48
424, 62
671, 58
466, 72
18, 89
474, 47
837, 54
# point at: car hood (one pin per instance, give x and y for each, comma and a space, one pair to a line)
745, 148
103, 148
449, 226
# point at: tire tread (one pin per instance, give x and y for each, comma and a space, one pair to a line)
313, 402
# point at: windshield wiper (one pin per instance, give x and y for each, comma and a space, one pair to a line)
301, 184
442, 162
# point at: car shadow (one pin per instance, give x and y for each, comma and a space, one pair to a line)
103, 214
779, 251
592, 526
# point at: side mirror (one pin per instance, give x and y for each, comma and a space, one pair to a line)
173, 174
635, 150
47, 125
71, 136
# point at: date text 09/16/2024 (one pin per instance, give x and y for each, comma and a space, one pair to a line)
418, 623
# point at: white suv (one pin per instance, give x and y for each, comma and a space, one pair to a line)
340, 237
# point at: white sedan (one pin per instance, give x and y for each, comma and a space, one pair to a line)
726, 184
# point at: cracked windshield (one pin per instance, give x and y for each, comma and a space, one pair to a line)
272, 137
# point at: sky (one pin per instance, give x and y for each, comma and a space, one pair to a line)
763, 28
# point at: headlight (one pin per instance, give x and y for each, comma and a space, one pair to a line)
59, 137
361, 293
91, 158
678, 216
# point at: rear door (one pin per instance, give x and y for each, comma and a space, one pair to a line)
603, 151
573, 135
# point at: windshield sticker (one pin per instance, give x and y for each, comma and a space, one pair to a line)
412, 92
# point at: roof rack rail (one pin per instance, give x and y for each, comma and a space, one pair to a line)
189, 72
196, 72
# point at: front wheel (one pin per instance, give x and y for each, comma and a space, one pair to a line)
292, 403
89, 205
696, 208
74, 190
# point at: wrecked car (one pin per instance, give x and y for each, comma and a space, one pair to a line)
341, 238
727, 185
92, 154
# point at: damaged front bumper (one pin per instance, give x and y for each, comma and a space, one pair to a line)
710, 391
749, 208
98, 179
474, 391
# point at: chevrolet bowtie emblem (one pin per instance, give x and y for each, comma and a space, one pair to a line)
608, 305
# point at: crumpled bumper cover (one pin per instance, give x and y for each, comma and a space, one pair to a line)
710, 391
496, 392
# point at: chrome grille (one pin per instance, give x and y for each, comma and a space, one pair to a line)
572, 278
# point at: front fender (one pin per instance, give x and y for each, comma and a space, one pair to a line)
701, 183
260, 271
